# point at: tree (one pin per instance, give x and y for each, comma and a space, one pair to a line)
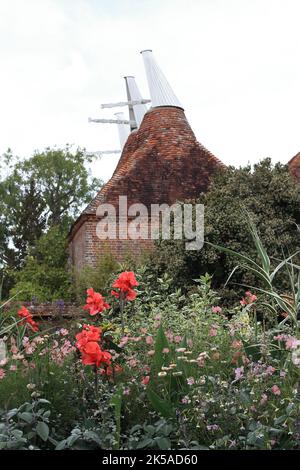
268, 194
43, 191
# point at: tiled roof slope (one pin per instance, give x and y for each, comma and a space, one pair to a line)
294, 166
162, 162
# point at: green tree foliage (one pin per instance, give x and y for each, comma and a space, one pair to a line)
47, 190
44, 275
267, 194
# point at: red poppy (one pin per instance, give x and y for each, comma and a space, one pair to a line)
24, 313
125, 283
95, 302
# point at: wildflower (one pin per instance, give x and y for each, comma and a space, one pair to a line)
64, 332
95, 303
275, 390
213, 332
165, 350
111, 370
3, 362
26, 315
145, 380
282, 373
239, 372
190, 381
126, 391
190, 343
248, 299
175, 374
216, 309
13, 368
149, 340
177, 339
296, 357
125, 283
292, 343
185, 400
172, 366
151, 353
2, 373
180, 350
264, 399
30, 386
169, 335
123, 341
162, 374
212, 427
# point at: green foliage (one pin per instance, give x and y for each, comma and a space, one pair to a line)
268, 194
96, 276
26, 427
45, 275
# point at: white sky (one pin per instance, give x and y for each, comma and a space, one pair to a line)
234, 64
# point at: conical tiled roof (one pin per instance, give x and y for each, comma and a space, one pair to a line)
162, 162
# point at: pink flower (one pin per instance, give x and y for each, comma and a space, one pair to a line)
270, 370
169, 335
165, 350
123, 341
190, 381
213, 332
248, 299
282, 373
3, 362
145, 380
126, 391
13, 368
177, 339
2, 374
292, 343
275, 390
239, 372
151, 353
149, 340
64, 331
189, 343
216, 309
185, 400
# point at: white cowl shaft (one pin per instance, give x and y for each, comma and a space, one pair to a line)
123, 129
160, 90
136, 111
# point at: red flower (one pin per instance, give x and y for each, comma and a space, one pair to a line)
248, 299
125, 283
89, 333
24, 313
95, 302
87, 343
145, 380
91, 354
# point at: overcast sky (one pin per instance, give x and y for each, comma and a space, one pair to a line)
234, 65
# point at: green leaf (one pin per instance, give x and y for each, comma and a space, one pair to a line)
163, 443
42, 430
116, 402
25, 416
164, 407
161, 342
